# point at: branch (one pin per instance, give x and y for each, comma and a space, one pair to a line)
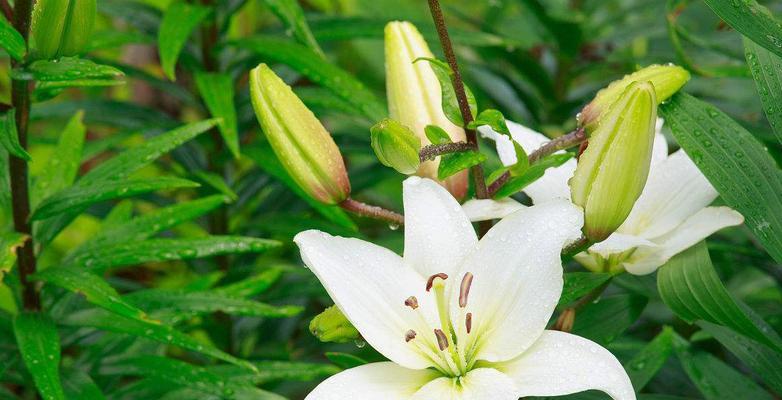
370, 211
431, 151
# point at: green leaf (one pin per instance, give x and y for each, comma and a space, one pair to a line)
531, 174
11, 40
455, 162
690, 287
766, 68
96, 290
68, 72
604, 320
436, 135
646, 363
77, 197
9, 137
9, 242
276, 371
79, 385
450, 103
579, 284
321, 72
201, 302
765, 361
345, 360
218, 183
100, 259
217, 91
713, 378
738, 166
291, 14
63, 165
251, 286
36, 336
140, 156
179, 21
751, 20
101, 319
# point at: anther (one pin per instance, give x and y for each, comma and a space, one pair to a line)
430, 282
409, 335
442, 341
411, 302
464, 289
468, 321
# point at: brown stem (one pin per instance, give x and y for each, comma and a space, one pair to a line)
370, 211
20, 195
431, 151
576, 247
7, 10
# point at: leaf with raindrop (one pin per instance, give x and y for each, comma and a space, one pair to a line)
39, 343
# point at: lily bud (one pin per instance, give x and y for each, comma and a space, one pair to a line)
61, 27
332, 326
612, 171
304, 147
666, 79
415, 98
396, 146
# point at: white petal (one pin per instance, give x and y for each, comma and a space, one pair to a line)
619, 243
504, 145
560, 363
659, 148
517, 280
484, 209
478, 384
438, 234
376, 381
675, 190
529, 139
370, 284
690, 232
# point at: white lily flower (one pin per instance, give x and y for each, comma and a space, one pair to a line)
671, 215
460, 318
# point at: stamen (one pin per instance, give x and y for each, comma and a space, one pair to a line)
409, 335
411, 302
442, 341
430, 282
468, 321
464, 290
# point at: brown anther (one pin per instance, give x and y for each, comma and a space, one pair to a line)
430, 282
442, 341
409, 335
468, 321
464, 289
411, 302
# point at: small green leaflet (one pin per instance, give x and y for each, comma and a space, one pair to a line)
496, 121
739, 167
79, 385
68, 72
9, 242
436, 135
39, 343
179, 21
451, 164
9, 137
217, 91
291, 14
63, 165
450, 103
766, 68
751, 20
646, 363
605, 320
690, 287
251, 286
11, 40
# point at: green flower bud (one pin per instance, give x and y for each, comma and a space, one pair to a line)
304, 147
414, 95
666, 79
396, 146
61, 27
332, 326
612, 171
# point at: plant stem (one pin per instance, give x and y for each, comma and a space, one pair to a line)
567, 318
464, 107
20, 195
431, 151
370, 211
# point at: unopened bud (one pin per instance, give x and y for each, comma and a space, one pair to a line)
304, 147
332, 326
415, 97
396, 146
612, 171
61, 27
666, 79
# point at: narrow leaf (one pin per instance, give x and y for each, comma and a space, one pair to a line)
36, 336
751, 20
9, 137
206, 302
647, 362
450, 103
217, 91
11, 40
251, 286
276, 371
291, 14
63, 165
531, 174
179, 21
79, 385
739, 167
9, 242
604, 320
766, 68
68, 72
345, 360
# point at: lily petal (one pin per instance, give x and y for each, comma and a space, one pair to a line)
660, 146
376, 381
370, 284
485, 209
560, 363
619, 243
517, 280
478, 384
675, 190
503, 144
438, 234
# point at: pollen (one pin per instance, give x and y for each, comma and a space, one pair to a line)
464, 289
412, 302
409, 335
442, 341
468, 322
430, 282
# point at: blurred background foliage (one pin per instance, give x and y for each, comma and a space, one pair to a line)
538, 61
